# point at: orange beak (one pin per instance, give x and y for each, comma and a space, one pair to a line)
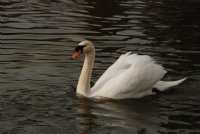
76, 54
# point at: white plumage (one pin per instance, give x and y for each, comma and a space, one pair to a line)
131, 76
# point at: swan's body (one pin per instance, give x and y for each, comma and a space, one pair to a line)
131, 76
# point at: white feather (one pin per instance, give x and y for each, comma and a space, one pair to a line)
131, 76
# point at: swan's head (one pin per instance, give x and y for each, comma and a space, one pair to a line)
83, 47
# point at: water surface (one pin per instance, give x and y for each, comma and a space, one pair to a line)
38, 79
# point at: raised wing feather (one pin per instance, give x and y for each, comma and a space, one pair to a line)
119, 66
131, 76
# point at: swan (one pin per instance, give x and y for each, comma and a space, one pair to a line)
131, 76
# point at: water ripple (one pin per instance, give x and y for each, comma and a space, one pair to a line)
38, 77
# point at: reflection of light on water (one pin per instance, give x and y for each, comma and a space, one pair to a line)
131, 115
86, 118
37, 42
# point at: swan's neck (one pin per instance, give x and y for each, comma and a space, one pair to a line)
83, 86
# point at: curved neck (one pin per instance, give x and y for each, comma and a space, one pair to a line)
83, 86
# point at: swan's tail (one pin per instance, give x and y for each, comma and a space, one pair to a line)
163, 85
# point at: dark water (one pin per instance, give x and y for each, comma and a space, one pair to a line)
38, 79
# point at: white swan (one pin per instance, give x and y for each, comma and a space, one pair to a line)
131, 76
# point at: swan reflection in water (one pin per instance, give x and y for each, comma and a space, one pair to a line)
132, 115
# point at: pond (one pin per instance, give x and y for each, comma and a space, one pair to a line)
39, 79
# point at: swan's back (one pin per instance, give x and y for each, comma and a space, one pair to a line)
131, 76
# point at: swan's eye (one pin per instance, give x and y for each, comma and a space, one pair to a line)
77, 48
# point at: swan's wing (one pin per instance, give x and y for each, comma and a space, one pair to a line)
133, 82
116, 68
